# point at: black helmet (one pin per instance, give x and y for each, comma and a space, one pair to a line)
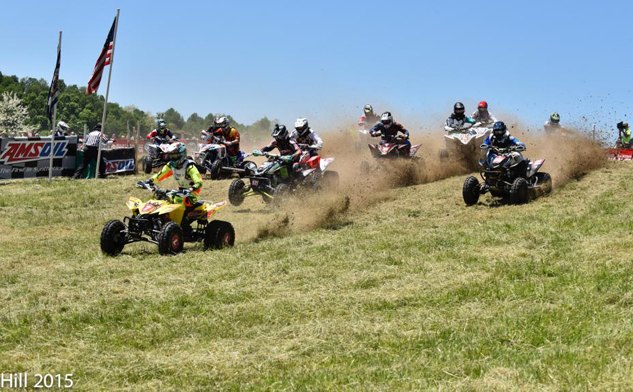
459, 108
161, 124
280, 132
499, 129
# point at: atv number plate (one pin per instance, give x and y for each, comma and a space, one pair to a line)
255, 182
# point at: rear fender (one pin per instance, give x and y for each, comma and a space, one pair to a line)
325, 162
211, 209
414, 149
535, 166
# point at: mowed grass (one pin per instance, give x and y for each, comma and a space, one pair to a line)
416, 292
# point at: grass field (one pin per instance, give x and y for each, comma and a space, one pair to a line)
416, 291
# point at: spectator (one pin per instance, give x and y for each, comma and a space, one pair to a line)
91, 150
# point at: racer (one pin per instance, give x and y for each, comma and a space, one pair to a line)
368, 117
458, 120
553, 124
624, 135
288, 148
499, 138
388, 130
62, 129
482, 115
161, 134
304, 135
229, 136
188, 177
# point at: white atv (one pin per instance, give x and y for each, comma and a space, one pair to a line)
463, 143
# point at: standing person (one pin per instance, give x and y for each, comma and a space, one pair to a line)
91, 150
624, 135
62, 129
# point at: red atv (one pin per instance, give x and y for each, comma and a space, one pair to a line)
390, 150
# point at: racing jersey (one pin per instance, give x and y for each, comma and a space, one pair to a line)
311, 138
160, 137
455, 122
485, 118
187, 176
285, 147
388, 134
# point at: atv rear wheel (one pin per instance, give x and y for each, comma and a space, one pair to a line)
218, 235
519, 192
545, 181
216, 170
471, 191
113, 237
147, 164
364, 167
330, 180
281, 194
236, 192
170, 239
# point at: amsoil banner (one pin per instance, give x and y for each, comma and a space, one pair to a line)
119, 160
22, 157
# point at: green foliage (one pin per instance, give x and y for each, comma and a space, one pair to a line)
79, 110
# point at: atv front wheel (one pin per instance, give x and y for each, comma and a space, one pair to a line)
147, 164
113, 237
519, 192
471, 191
216, 169
236, 192
170, 239
218, 235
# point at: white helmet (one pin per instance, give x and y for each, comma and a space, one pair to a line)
62, 126
301, 125
386, 119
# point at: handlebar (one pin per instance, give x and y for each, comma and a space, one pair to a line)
502, 150
163, 194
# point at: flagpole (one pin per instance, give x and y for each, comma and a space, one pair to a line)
105, 104
52, 153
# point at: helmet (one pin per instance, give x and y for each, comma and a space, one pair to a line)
482, 105
368, 109
161, 124
459, 108
499, 129
222, 122
301, 125
554, 117
386, 119
62, 126
177, 153
280, 132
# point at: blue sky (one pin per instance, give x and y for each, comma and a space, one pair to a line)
325, 59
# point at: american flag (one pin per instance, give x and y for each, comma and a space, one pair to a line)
53, 92
102, 61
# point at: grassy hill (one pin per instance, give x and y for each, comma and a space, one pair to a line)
415, 291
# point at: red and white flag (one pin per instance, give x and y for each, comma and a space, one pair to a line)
102, 61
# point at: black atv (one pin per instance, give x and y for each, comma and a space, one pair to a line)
508, 176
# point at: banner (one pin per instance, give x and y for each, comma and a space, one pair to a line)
119, 160
22, 157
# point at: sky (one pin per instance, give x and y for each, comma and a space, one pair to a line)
325, 59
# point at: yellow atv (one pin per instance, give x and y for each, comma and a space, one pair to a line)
159, 221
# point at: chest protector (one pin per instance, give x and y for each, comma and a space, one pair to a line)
184, 181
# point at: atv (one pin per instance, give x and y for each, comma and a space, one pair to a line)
155, 155
463, 143
508, 176
274, 179
388, 151
212, 158
159, 221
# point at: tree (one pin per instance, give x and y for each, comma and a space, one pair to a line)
13, 114
174, 119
